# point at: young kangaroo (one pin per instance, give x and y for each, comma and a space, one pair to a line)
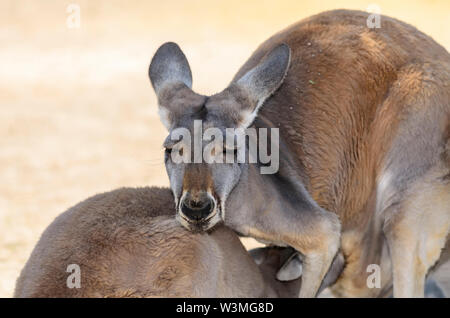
127, 243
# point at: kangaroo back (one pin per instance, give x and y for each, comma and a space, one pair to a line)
127, 243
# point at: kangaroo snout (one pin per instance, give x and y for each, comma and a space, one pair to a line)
198, 207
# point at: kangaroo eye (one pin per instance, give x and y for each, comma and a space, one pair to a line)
178, 151
167, 152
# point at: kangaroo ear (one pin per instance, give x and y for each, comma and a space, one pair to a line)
169, 66
263, 80
171, 78
291, 269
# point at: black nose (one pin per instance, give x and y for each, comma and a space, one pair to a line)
198, 208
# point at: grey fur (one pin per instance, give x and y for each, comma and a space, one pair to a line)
169, 66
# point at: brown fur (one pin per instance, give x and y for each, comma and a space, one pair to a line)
363, 116
376, 95
197, 178
128, 244
342, 126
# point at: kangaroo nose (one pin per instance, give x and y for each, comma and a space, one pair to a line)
198, 208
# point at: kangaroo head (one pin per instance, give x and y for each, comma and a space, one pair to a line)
201, 150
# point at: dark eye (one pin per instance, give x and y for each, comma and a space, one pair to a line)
167, 152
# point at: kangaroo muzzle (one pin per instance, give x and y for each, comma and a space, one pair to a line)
197, 208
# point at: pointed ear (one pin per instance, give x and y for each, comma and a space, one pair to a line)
291, 269
169, 66
263, 80
171, 79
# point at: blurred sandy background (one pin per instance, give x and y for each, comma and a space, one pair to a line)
77, 112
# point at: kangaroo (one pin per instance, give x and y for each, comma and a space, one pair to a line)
127, 243
364, 148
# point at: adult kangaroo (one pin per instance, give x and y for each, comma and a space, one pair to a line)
364, 125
